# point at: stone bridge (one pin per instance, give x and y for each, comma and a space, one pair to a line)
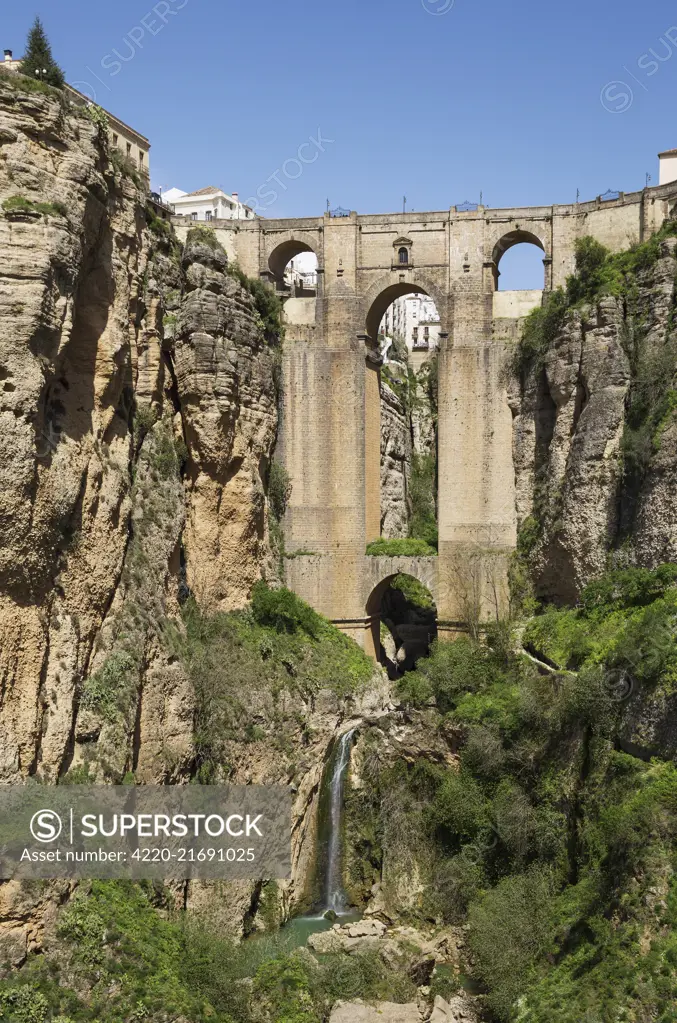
330, 422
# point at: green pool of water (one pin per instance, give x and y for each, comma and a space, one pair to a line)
294, 934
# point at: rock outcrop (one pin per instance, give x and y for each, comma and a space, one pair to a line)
139, 412
396, 447
569, 422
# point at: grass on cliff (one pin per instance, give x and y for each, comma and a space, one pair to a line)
19, 204
555, 847
123, 955
258, 664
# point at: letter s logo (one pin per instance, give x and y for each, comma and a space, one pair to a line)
45, 826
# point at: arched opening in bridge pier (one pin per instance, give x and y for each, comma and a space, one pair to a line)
404, 328
403, 621
518, 262
293, 267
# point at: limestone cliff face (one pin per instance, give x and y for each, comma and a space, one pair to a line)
139, 413
224, 375
569, 423
101, 407
396, 450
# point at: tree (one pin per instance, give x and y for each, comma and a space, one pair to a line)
38, 62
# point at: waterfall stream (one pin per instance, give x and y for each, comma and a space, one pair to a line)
334, 895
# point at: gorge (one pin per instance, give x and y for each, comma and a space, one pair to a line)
189, 467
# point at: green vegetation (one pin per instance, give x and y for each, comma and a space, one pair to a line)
414, 591
268, 304
652, 397
202, 235
404, 547
557, 850
99, 118
599, 273
422, 489
279, 489
125, 954
38, 62
126, 168
541, 329
19, 204
277, 648
279, 492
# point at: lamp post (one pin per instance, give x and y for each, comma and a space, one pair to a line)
41, 72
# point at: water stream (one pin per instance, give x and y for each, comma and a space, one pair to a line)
334, 895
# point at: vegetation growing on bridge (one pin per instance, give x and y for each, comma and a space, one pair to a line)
403, 547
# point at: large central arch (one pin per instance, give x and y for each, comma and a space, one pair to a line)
386, 290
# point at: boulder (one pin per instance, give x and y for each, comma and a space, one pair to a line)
366, 929
382, 1012
455, 1011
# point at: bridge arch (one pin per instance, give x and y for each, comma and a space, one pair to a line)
410, 623
284, 252
507, 241
384, 291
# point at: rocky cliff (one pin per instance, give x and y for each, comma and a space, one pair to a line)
139, 414
595, 438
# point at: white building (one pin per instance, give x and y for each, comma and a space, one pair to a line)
667, 164
301, 273
209, 203
414, 321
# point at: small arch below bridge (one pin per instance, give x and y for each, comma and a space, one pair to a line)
401, 609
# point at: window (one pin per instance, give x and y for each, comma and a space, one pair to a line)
403, 255
129, 149
208, 214
415, 334
426, 332
115, 140
193, 216
140, 157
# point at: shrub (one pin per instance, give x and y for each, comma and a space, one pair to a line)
541, 329
284, 611
510, 930
279, 489
110, 689
413, 591
625, 588
267, 302
453, 670
459, 810
202, 235
591, 257
422, 486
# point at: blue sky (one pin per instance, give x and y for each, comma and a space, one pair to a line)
433, 99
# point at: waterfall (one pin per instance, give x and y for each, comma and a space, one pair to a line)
334, 894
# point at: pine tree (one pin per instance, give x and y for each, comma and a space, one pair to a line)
38, 62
